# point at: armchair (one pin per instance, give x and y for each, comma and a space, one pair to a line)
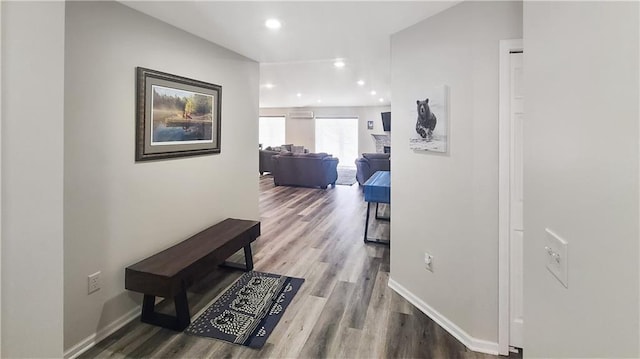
370, 163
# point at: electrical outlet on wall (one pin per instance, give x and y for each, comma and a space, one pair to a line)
557, 258
94, 282
428, 261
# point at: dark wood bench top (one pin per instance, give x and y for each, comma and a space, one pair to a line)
170, 271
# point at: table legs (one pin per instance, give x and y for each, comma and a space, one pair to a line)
366, 227
381, 217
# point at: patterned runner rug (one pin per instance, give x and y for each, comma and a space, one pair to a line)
249, 310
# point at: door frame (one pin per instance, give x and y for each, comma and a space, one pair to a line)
506, 47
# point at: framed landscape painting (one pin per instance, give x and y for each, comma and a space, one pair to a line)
176, 116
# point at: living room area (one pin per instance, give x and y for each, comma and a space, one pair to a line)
351, 136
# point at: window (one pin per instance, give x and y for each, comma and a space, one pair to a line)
271, 131
339, 137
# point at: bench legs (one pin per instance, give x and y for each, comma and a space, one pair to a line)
248, 259
182, 319
178, 323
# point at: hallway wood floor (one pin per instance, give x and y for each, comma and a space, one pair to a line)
343, 310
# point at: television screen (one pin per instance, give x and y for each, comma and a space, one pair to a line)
386, 121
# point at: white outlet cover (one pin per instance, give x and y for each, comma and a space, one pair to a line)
93, 282
557, 256
428, 261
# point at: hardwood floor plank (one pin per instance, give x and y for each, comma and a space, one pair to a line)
153, 344
323, 338
122, 342
374, 334
345, 308
356, 313
400, 331
348, 344
297, 331
399, 304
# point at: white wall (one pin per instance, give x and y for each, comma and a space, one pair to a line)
302, 131
118, 211
32, 186
1, 31
581, 177
447, 205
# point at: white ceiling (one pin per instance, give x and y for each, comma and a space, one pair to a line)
298, 57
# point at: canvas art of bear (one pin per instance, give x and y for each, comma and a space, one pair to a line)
426, 120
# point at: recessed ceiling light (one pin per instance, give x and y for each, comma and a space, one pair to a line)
319, 100
381, 99
273, 24
360, 82
269, 86
339, 64
299, 94
373, 92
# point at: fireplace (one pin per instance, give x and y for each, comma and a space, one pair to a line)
381, 142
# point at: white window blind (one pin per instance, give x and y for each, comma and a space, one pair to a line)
339, 137
271, 131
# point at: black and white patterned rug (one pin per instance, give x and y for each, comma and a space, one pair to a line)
249, 310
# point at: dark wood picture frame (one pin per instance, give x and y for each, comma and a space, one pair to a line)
180, 130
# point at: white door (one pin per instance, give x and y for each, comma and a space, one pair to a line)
516, 230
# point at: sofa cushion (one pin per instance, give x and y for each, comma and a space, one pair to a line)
376, 156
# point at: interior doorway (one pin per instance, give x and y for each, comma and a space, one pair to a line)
338, 136
511, 229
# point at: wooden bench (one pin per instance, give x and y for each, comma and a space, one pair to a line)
169, 273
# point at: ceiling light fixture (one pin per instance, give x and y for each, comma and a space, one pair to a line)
273, 24
360, 83
269, 86
339, 64
319, 101
299, 94
381, 99
373, 92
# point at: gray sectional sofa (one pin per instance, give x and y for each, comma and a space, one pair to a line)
265, 162
306, 170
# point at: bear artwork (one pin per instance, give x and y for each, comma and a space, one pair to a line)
426, 120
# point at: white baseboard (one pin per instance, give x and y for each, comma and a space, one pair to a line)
477, 345
93, 339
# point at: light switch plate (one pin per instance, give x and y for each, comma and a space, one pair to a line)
557, 256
